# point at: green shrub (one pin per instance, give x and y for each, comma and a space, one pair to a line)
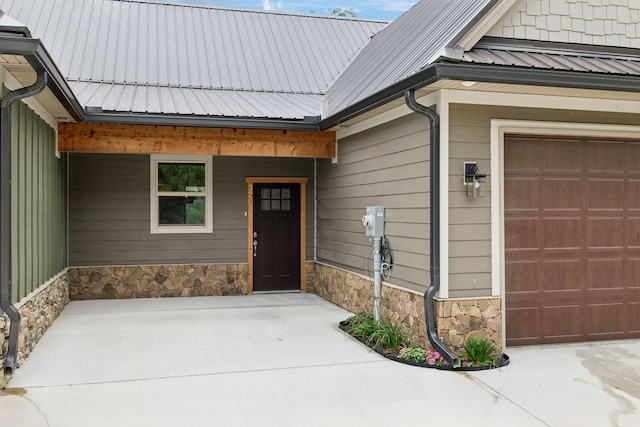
382, 334
361, 325
389, 336
413, 354
480, 351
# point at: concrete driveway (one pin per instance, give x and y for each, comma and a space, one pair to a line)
280, 360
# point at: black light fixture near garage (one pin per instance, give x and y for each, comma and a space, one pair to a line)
474, 181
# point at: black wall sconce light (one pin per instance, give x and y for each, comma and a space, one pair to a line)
474, 182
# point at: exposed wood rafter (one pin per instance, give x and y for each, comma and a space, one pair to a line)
142, 139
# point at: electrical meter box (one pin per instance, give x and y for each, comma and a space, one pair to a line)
373, 221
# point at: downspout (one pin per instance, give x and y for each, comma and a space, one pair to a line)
434, 226
5, 213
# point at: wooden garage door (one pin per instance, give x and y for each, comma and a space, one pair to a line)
572, 239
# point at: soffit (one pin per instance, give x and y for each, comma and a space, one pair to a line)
20, 69
497, 88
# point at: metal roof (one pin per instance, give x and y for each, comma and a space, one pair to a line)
404, 47
134, 53
555, 56
157, 99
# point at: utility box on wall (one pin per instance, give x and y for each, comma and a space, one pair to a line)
374, 221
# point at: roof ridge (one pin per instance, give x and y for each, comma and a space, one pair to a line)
235, 9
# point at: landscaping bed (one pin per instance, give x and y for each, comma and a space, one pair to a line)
396, 344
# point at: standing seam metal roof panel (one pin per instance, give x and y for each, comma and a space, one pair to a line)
403, 48
149, 55
130, 41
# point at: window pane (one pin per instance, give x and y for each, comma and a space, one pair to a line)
265, 194
181, 177
286, 193
275, 205
265, 205
181, 210
275, 193
286, 205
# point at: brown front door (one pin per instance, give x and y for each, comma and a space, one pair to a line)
572, 239
276, 231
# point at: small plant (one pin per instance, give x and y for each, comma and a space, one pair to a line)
389, 336
435, 358
413, 354
361, 324
479, 351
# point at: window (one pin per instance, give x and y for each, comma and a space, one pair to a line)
181, 194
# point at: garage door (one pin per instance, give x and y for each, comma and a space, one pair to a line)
572, 239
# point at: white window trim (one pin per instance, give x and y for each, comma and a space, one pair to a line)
156, 228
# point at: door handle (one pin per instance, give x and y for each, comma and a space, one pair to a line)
255, 247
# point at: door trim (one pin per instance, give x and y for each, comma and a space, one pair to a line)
303, 225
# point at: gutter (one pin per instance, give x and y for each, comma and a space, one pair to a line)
95, 115
434, 226
5, 212
488, 74
38, 57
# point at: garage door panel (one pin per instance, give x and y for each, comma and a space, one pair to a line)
633, 278
523, 323
561, 194
526, 159
634, 157
606, 156
561, 321
605, 273
572, 259
562, 275
560, 155
606, 194
634, 195
523, 276
633, 234
526, 230
634, 317
561, 232
609, 319
522, 194
605, 233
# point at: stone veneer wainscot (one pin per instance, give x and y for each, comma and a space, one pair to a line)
456, 320
88, 283
38, 310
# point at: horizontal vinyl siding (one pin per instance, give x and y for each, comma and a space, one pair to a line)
386, 166
38, 203
470, 219
110, 211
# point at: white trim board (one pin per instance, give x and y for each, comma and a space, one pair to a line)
547, 102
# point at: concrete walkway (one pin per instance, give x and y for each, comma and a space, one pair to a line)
280, 360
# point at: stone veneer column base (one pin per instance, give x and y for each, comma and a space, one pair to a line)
38, 310
456, 320
88, 283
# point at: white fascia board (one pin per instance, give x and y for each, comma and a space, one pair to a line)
552, 102
386, 117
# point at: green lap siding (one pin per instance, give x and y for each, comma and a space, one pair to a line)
38, 203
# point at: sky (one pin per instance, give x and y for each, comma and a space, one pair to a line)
366, 9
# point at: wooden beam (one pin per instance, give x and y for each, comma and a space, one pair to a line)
144, 139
